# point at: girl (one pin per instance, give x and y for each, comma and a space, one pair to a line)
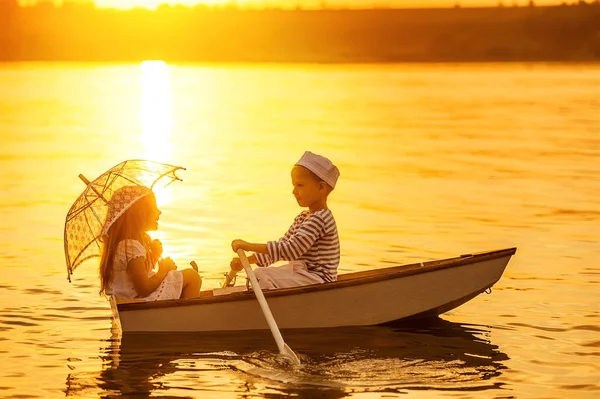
129, 257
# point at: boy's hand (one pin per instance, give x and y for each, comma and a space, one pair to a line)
239, 244
236, 264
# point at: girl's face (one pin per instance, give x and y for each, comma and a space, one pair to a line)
152, 213
307, 189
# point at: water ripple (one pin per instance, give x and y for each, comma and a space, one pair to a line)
20, 323
585, 214
41, 291
595, 344
557, 329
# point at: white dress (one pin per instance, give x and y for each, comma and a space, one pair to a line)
122, 287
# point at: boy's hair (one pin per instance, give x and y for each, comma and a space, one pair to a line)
316, 178
129, 225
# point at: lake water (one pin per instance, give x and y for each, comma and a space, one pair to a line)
435, 160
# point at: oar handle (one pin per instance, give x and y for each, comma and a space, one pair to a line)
262, 301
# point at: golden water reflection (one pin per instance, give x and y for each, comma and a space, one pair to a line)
337, 362
156, 117
436, 161
157, 123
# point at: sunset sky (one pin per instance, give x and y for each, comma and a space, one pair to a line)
311, 3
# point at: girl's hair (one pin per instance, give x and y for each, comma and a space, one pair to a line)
130, 225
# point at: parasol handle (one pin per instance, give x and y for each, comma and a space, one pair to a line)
88, 183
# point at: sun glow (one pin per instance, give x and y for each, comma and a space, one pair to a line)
157, 117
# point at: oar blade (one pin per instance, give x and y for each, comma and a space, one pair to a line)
288, 352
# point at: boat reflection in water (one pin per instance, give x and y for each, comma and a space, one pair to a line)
432, 355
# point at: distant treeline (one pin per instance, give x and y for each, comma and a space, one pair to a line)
226, 34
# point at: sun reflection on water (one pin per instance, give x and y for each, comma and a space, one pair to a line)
156, 118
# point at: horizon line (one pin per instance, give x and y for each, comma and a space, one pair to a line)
245, 7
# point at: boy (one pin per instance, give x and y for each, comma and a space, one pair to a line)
311, 244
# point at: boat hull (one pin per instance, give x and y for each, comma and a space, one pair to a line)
359, 299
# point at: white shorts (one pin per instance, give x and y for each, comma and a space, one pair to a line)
293, 274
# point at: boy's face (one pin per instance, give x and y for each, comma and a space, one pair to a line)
307, 189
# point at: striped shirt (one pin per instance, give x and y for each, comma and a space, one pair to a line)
312, 239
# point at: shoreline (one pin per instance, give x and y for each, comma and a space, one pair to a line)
441, 35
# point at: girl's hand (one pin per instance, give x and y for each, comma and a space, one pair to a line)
239, 244
236, 264
166, 265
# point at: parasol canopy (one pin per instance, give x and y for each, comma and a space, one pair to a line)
86, 219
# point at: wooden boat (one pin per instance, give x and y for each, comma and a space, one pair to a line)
363, 298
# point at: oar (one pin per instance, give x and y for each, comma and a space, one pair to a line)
284, 349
